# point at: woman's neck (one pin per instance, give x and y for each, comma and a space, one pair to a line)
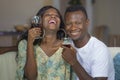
49, 39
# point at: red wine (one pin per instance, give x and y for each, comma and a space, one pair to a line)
67, 45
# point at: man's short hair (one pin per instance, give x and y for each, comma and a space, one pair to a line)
76, 8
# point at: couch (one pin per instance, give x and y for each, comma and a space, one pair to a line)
8, 66
8, 63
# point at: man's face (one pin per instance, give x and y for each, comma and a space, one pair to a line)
76, 25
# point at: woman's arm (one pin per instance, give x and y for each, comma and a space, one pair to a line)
31, 66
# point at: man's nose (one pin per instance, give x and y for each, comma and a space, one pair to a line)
73, 27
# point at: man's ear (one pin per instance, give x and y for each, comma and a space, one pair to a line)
87, 22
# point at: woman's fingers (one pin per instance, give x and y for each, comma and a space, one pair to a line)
34, 33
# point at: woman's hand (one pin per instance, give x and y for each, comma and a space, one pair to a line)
69, 55
33, 33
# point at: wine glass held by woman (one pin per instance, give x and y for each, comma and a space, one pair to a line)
43, 59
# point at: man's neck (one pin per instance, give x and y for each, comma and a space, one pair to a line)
82, 42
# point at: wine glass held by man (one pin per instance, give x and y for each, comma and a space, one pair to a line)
42, 59
93, 60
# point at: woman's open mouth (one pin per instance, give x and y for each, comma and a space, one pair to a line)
52, 21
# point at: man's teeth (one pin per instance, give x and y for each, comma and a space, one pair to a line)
74, 33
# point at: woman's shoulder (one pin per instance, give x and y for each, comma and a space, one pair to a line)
22, 43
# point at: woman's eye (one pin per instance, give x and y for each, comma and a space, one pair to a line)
52, 15
47, 15
57, 16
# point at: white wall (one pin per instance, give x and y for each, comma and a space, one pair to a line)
63, 5
104, 12
14, 12
107, 12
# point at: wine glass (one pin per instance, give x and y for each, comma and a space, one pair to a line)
66, 40
35, 22
67, 43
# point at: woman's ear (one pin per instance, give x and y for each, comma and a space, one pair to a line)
40, 19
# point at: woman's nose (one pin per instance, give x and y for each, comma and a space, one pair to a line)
52, 15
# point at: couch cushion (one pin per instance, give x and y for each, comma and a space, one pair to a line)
114, 51
8, 66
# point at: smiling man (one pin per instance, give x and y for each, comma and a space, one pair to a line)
93, 60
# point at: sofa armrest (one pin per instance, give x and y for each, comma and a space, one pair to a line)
8, 66
7, 49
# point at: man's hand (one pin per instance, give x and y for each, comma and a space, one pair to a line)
69, 55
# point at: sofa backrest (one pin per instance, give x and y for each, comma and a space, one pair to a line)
114, 51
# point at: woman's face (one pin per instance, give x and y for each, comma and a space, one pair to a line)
51, 20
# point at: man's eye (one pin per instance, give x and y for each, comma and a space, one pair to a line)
68, 24
78, 23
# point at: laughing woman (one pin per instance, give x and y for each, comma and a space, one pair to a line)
42, 59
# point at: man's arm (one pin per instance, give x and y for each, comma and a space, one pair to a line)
82, 74
70, 57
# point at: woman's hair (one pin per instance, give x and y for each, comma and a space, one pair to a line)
41, 13
43, 10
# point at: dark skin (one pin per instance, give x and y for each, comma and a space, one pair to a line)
77, 29
50, 43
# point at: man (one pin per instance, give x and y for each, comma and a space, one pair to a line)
92, 60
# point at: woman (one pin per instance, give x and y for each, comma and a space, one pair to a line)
43, 59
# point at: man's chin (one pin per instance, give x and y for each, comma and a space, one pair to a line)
74, 38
